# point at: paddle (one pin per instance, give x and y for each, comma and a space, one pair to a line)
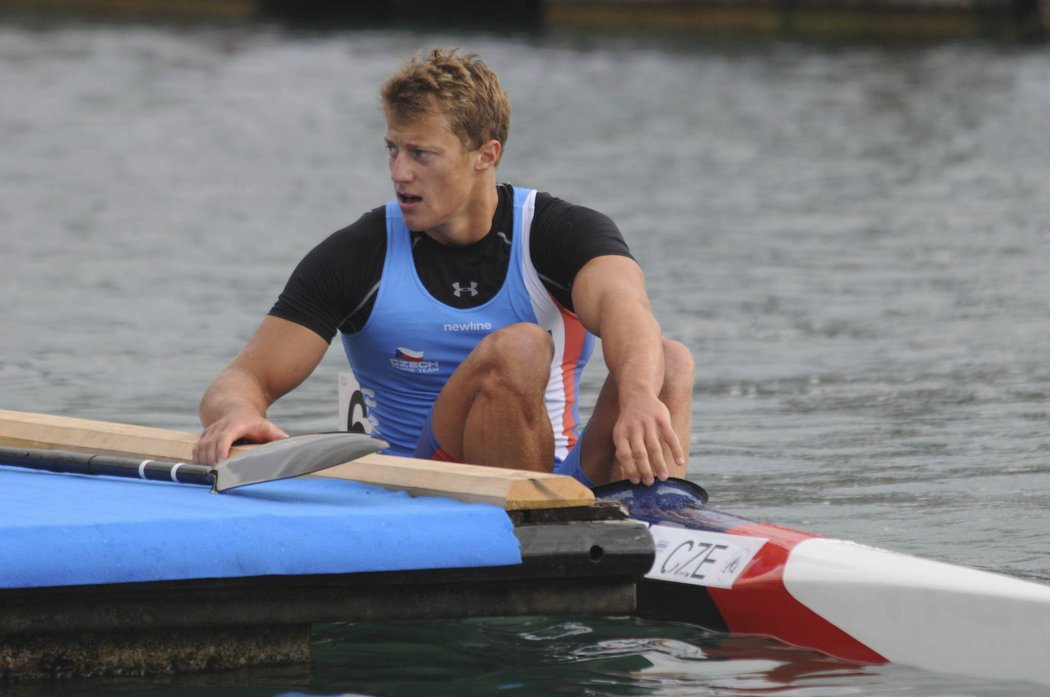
279, 459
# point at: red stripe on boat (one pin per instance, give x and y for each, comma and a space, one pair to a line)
759, 603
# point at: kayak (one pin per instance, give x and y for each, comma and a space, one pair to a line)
853, 602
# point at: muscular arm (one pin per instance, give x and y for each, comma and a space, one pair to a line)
278, 357
327, 291
610, 299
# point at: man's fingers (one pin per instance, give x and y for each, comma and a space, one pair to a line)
633, 455
660, 457
266, 432
626, 460
218, 439
643, 461
656, 460
677, 451
648, 454
211, 448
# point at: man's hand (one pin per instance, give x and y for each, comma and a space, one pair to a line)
215, 443
645, 439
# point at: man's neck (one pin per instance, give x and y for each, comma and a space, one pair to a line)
474, 221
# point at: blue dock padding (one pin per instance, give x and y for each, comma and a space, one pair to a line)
65, 529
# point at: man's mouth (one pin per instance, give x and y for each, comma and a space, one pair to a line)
409, 198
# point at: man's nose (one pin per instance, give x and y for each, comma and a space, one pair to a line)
400, 169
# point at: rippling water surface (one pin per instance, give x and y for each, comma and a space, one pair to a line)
852, 239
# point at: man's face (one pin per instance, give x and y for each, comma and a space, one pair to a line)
434, 177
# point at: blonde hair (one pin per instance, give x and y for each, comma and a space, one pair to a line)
461, 87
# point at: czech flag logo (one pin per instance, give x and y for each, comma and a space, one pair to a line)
405, 354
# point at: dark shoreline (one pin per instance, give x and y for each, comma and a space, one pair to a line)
821, 19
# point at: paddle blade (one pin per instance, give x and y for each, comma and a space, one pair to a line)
293, 457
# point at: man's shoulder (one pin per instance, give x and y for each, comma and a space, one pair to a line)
543, 199
547, 202
366, 231
362, 239
369, 223
570, 218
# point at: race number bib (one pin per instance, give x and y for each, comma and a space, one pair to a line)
353, 406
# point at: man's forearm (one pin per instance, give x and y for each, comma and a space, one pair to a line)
632, 347
233, 390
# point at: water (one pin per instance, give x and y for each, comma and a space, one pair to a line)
851, 238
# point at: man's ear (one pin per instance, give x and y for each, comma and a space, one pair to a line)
488, 155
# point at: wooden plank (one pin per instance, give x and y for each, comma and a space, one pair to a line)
29, 430
512, 489
509, 488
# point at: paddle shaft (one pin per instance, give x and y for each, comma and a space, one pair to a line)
110, 465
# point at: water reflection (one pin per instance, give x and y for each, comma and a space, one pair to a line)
611, 656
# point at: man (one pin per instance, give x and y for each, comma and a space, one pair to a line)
468, 309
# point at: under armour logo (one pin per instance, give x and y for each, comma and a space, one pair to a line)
473, 289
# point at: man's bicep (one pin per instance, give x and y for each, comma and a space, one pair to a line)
565, 238
604, 282
280, 355
331, 286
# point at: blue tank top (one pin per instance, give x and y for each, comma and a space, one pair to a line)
412, 343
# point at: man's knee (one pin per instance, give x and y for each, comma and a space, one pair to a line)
679, 367
516, 357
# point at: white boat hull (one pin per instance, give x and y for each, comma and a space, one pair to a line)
850, 601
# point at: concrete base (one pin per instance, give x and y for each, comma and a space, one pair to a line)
150, 652
155, 629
